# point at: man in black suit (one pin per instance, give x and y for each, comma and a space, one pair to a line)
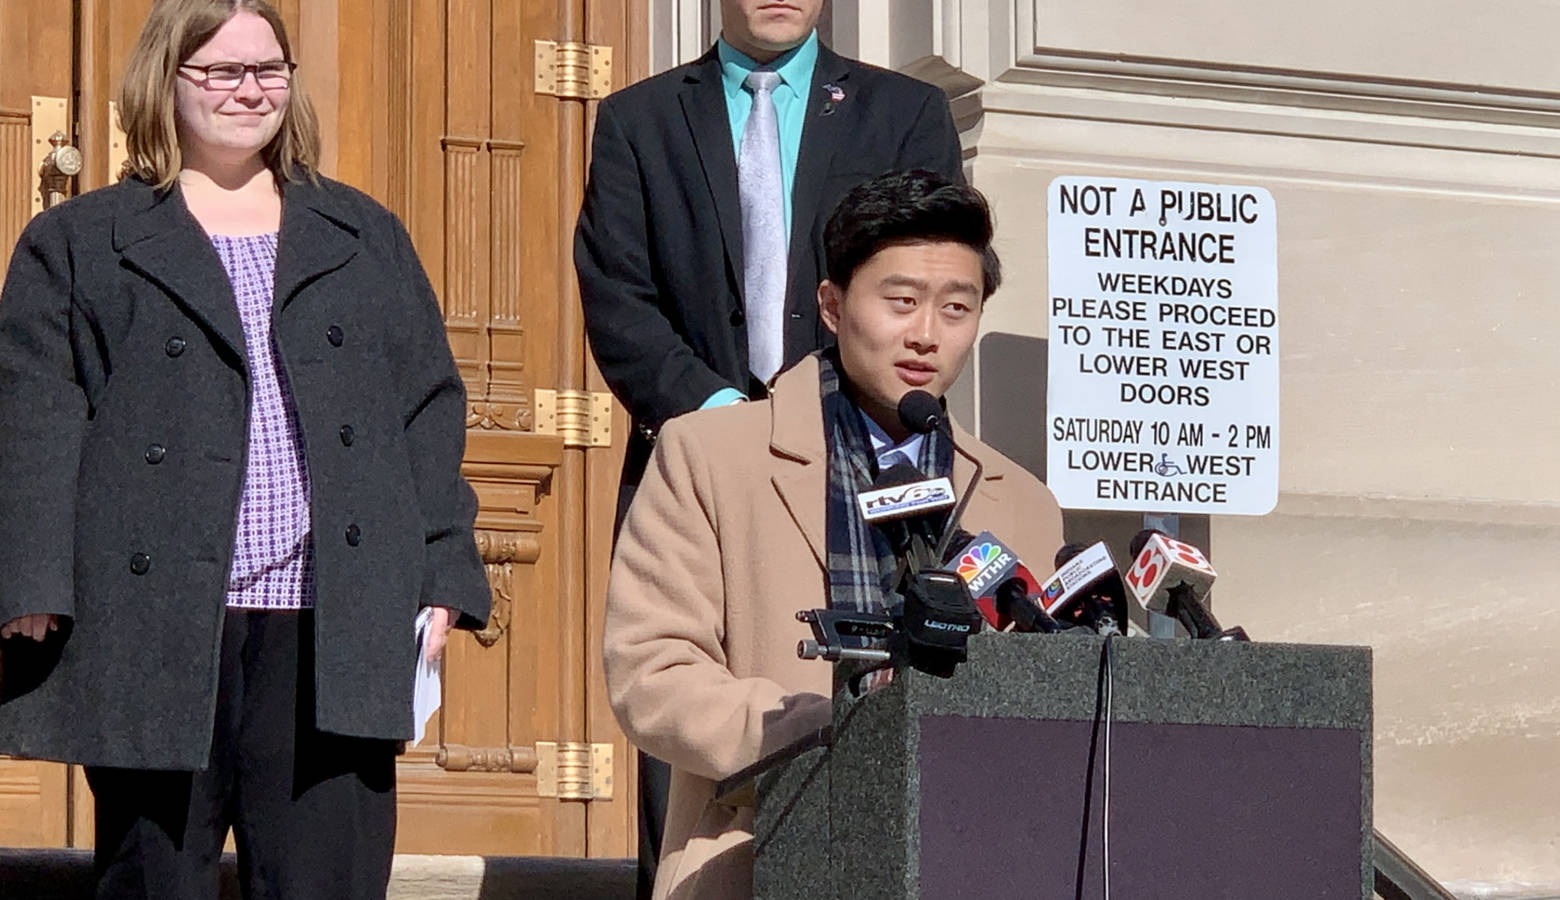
700, 243
660, 243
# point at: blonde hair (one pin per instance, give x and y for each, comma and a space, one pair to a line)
173, 32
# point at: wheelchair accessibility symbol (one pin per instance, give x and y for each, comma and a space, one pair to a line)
1166, 466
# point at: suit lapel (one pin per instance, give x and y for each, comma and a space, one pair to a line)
156, 236
704, 106
824, 126
318, 236
796, 442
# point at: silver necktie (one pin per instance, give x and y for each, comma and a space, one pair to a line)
763, 228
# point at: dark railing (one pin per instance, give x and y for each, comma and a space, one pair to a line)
1399, 878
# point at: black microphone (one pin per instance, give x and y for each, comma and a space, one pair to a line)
936, 622
937, 614
1012, 602
921, 413
1066, 552
1171, 577
1087, 589
905, 504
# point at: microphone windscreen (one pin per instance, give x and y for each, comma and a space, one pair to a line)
920, 412
897, 474
1165, 564
1140, 539
1065, 554
961, 542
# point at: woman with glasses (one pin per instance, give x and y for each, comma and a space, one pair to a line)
230, 441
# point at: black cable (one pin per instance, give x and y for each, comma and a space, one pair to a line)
952, 525
1101, 695
1110, 684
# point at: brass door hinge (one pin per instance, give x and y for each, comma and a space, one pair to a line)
574, 770
574, 70
581, 418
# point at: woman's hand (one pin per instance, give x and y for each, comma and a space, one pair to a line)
38, 625
438, 631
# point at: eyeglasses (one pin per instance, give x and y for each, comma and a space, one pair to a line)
227, 76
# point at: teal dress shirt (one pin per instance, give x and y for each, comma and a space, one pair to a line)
796, 74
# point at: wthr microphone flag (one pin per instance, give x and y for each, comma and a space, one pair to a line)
984, 563
1165, 564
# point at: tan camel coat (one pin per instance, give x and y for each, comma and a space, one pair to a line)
723, 544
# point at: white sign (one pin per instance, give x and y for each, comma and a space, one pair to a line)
1163, 377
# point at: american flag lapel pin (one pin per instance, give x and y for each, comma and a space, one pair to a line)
836, 95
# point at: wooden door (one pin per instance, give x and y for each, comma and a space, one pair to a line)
435, 108
55, 60
432, 107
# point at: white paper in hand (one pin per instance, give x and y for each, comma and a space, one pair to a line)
426, 693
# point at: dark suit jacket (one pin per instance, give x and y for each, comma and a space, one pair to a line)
659, 242
118, 330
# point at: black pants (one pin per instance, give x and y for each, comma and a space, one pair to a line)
313, 814
655, 776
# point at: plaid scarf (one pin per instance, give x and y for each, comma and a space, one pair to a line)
861, 561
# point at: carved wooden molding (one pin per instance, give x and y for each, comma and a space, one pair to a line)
16, 177
400, 103
462, 142
500, 551
504, 547
509, 212
502, 607
459, 758
464, 286
505, 416
525, 473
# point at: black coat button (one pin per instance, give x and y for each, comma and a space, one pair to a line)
156, 453
737, 318
354, 535
140, 563
347, 435
335, 335
174, 347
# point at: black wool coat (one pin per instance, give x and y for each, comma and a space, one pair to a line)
123, 426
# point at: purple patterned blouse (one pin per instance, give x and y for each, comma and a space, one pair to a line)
273, 555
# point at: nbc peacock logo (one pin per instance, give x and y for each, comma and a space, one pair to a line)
975, 559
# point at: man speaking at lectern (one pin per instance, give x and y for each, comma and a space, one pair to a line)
748, 513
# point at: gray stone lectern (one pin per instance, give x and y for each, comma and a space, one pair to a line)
1234, 771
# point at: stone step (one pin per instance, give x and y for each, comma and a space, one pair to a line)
67, 875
